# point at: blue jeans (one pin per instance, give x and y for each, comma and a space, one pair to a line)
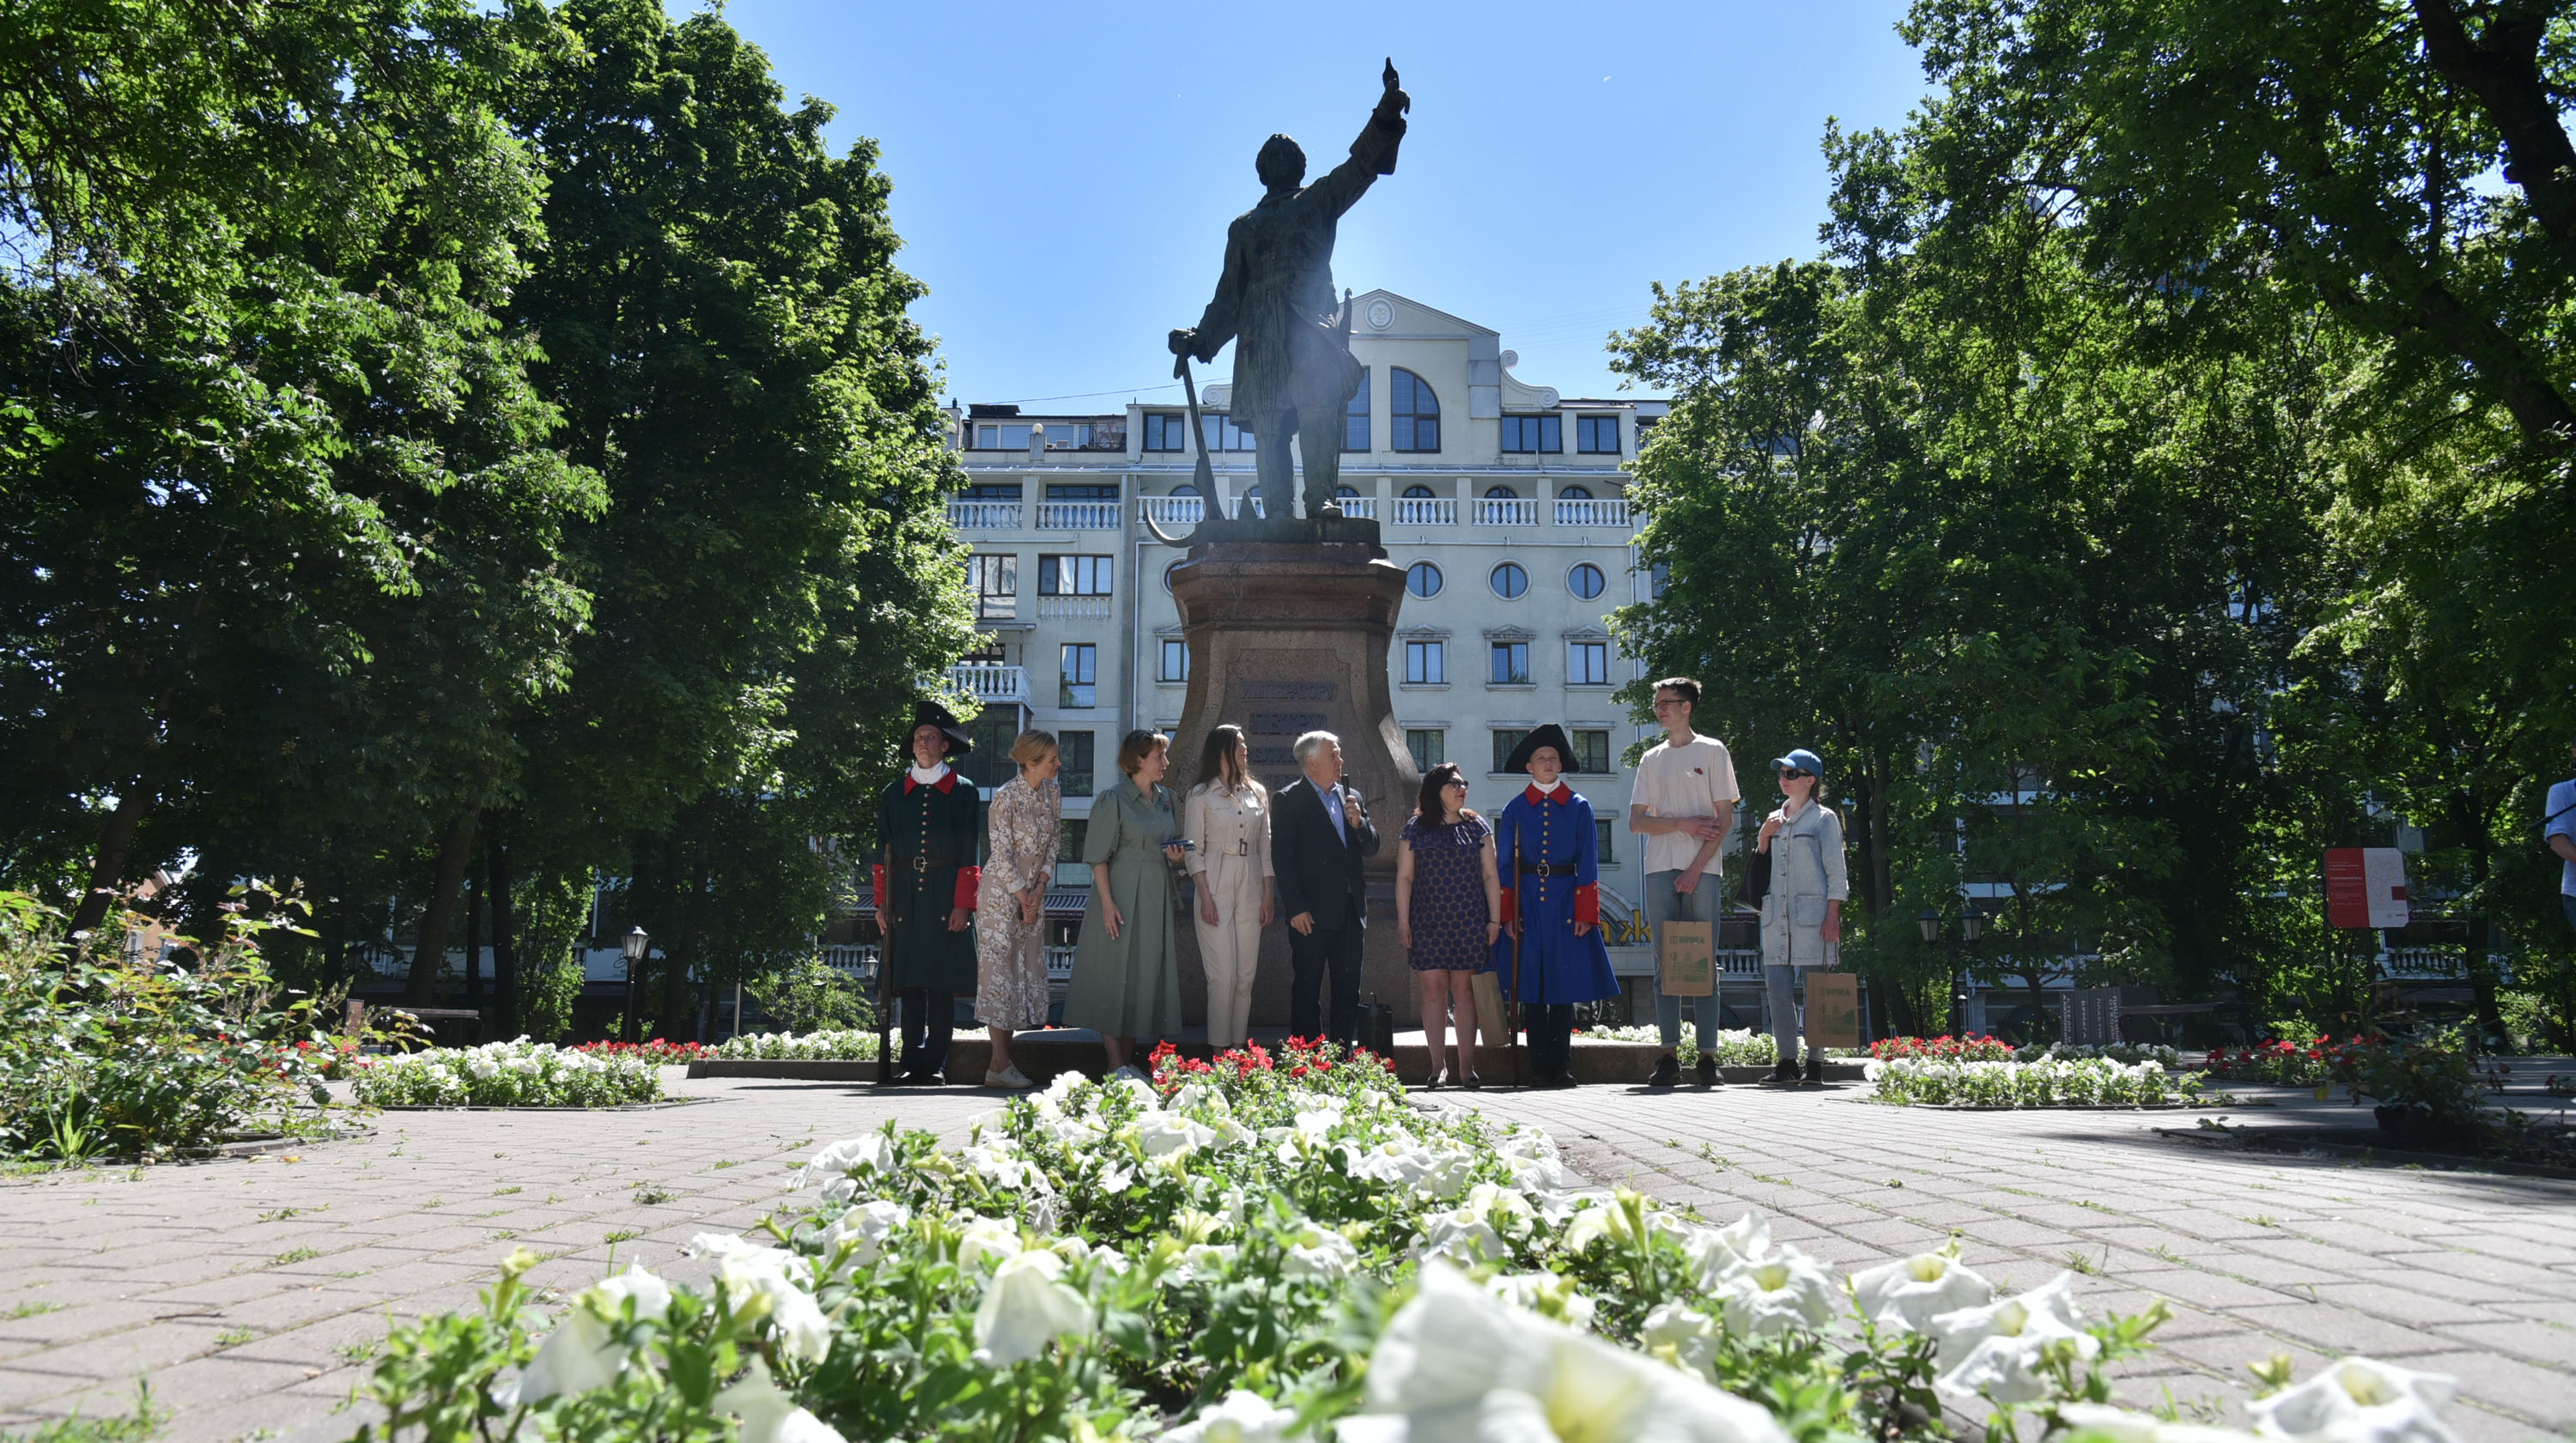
1663, 904
1779, 984
2571, 908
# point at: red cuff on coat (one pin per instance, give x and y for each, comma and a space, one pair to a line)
877, 883
1587, 906
1511, 907
969, 880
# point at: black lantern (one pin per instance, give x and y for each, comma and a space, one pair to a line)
638, 944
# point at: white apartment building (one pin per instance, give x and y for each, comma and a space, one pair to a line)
1506, 503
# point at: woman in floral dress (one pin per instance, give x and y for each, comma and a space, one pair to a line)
1010, 923
1448, 911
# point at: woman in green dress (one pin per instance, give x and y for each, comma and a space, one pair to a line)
1126, 980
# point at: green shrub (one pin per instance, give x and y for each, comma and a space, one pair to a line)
106, 1048
811, 995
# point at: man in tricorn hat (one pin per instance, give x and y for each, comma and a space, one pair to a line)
1293, 372
926, 879
1549, 854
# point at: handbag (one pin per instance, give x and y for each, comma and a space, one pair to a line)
1757, 878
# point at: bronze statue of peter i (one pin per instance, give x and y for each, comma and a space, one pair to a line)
1293, 372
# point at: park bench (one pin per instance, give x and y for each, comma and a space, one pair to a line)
431, 1016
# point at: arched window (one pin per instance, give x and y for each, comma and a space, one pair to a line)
1185, 489
1501, 493
1585, 580
1341, 491
1573, 493
1355, 417
1510, 581
1419, 493
1422, 579
1415, 416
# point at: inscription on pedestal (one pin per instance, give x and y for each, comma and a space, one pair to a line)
1289, 723
1290, 691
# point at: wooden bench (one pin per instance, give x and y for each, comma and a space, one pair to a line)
357, 1016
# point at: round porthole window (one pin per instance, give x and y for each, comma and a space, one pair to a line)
1585, 580
1422, 579
1510, 581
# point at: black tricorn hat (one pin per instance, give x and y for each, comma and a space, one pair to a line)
931, 713
1550, 735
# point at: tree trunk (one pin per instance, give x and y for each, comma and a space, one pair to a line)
474, 944
429, 953
107, 872
505, 944
676, 1022
2482, 972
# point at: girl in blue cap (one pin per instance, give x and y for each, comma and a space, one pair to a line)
1802, 915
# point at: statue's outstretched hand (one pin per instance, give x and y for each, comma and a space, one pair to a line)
1394, 98
1183, 341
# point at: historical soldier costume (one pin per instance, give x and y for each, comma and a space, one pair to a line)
927, 825
1548, 853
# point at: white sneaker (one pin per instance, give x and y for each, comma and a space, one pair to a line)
1131, 1070
1010, 1077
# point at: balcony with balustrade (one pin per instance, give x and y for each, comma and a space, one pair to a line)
984, 515
1078, 516
991, 683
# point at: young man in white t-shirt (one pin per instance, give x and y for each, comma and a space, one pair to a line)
1683, 804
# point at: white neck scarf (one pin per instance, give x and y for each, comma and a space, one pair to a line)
929, 776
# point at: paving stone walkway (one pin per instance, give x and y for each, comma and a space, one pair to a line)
248, 1293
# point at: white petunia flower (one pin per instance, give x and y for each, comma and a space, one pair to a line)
582, 1352
1690, 1333
1550, 1295
1906, 1294
2357, 1400
874, 1153
770, 1415
1169, 1134
987, 1240
1242, 1416
1995, 1350
1457, 1365
869, 1225
1315, 1251
1027, 1305
1786, 1289
763, 1282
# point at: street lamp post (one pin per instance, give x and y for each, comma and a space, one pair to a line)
637, 945
1971, 927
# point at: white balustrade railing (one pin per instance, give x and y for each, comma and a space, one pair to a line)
859, 962
1172, 510
1073, 608
984, 515
1592, 513
1359, 508
1491, 511
1059, 962
1425, 511
991, 682
1077, 516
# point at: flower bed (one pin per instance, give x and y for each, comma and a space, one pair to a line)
1242, 1251
2284, 1063
1735, 1047
655, 1050
1943, 1048
509, 1074
2046, 1082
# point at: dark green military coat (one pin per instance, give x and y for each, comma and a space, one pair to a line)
926, 842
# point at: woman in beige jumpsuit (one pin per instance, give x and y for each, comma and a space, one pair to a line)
1227, 820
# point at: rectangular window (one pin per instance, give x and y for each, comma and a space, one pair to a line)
1075, 778
1602, 832
995, 582
1511, 663
991, 491
1426, 663
1645, 425
1528, 435
1505, 739
1166, 432
1081, 682
1222, 434
1591, 751
1596, 435
1001, 435
1430, 746
1587, 663
1659, 579
1060, 492
1355, 417
1176, 659
1071, 832
1074, 575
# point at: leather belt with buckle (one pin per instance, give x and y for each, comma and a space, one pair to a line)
1547, 869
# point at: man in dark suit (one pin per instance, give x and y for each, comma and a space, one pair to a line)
1318, 834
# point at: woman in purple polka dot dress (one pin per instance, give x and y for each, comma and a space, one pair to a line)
1448, 910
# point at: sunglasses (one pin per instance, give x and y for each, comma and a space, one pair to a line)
1791, 774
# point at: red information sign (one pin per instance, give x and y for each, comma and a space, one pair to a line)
2365, 887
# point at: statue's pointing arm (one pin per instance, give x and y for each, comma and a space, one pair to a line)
1373, 154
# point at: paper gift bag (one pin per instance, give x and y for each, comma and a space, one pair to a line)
1689, 960
1833, 1009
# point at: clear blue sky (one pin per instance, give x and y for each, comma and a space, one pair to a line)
1063, 174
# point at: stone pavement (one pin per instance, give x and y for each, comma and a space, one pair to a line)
249, 1292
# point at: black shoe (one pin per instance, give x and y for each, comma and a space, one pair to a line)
1708, 1072
1815, 1067
926, 1079
1558, 1080
1667, 1072
1786, 1074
